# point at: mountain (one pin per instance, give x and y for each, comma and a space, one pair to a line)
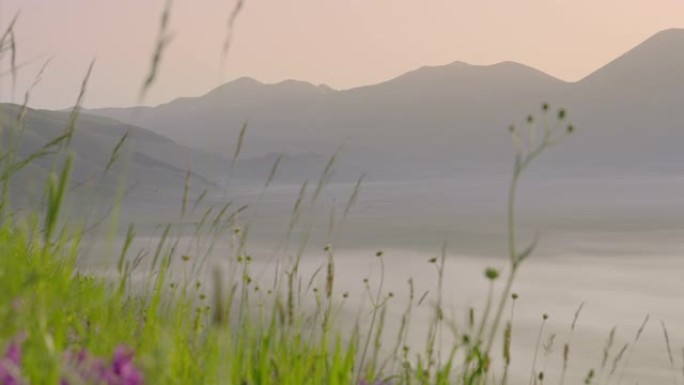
214, 120
144, 160
448, 119
630, 108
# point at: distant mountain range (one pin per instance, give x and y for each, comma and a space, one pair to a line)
446, 119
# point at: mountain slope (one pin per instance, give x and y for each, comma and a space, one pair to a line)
145, 158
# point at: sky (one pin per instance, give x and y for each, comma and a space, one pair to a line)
341, 43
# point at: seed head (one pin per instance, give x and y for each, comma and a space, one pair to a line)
530, 119
185, 258
545, 316
589, 377
561, 114
433, 260
514, 296
571, 128
378, 253
545, 107
491, 273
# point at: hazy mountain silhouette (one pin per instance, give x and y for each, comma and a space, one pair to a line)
450, 118
145, 158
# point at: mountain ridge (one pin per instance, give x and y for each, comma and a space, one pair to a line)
250, 81
446, 116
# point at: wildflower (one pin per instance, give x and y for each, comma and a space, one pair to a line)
9, 365
13, 353
85, 369
80, 367
123, 371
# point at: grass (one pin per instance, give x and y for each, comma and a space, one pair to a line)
149, 324
177, 331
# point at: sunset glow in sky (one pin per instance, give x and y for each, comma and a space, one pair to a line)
342, 43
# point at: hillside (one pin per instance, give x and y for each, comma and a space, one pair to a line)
145, 160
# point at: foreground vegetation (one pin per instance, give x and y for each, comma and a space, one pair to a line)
148, 326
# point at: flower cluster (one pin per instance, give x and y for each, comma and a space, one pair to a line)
10, 364
80, 368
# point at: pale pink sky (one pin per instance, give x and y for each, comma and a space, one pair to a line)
342, 43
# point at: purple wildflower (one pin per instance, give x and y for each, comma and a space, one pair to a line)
9, 365
85, 369
123, 371
9, 376
13, 353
